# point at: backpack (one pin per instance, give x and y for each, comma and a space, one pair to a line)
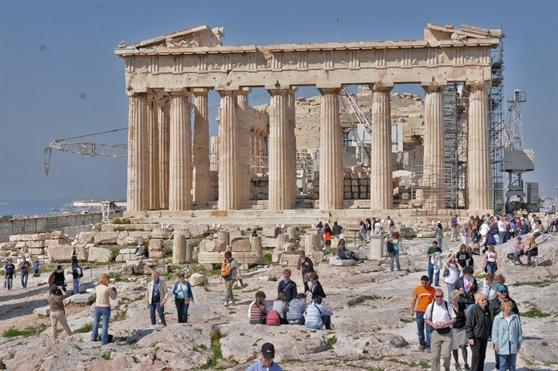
80, 272
273, 318
390, 248
444, 330
226, 269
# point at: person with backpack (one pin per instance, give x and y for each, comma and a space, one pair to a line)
393, 248
9, 273
156, 296
306, 267
295, 312
477, 328
277, 315
102, 308
76, 273
458, 333
24, 269
256, 311
440, 317
57, 278
183, 296
317, 315
36, 268
434, 255
287, 286
57, 314
229, 271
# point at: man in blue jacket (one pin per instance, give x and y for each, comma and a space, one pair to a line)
287, 286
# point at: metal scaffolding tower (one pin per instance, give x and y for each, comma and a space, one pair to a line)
497, 127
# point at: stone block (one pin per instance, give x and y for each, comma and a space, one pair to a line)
155, 244
105, 238
289, 260
82, 251
42, 311
281, 241
271, 232
156, 254
60, 253
36, 244
57, 234
197, 279
317, 257
8, 245
161, 233
82, 299
140, 235
276, 256
99, 254
241, 244
375, 248
235, 234
212, 245
86, 237
334, 260
56, 242
36, 251
256, 243
121, 239
22, 244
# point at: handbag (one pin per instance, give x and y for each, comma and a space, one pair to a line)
325, 318
446, 272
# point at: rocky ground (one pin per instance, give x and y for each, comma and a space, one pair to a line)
373, 329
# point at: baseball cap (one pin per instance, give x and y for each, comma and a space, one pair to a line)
268, 350
501, 288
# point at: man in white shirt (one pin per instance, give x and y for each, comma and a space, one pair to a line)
440, 316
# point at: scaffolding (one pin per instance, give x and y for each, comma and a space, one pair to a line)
497, 126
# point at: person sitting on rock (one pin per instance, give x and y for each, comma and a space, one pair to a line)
280, 305
256, 311
532, 249
343, 253
295, 312
287, 286
316, 288
317, 315
518, 251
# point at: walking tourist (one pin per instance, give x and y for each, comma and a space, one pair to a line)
395, 241
451, 273
507, 337
297, 307
490, 260
306, 267
318, 315
9, 273
257, 312
453, 225
265, 360
439, 234
488, 287
495, 308
156, 296
440, 316
459, 336
24, 271
423, 295
183, 296
229, 271
57, 314
434, 255
77, 273
467, 286
478, 331
287, 286
57, 278
336, 229
316, 288
102, 308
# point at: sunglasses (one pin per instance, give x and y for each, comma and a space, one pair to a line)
438, 296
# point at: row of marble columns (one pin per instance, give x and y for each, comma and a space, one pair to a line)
160, 150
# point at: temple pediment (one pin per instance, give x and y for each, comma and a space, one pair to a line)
188, 38
436, 35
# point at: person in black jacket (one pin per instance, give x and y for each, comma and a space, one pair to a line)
467, 287
477, 328
458, 330
316, 288
306, 267
287, 286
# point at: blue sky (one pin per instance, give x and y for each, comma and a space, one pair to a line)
59, 76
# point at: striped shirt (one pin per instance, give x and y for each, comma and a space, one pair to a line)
257, 314
296, 310
314, 314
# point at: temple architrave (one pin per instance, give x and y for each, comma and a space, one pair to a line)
168, 79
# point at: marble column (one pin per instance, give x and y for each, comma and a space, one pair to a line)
291, 142
180, 152
200, 146
243, 118
229, 194
479, 172
381, 187
153, 149
278, 159
137, 188
433, 162
163, 110
331, 151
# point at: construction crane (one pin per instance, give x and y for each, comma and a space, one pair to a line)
362, 128
90, 149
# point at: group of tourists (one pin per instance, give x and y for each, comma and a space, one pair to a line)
24, 266
375, 227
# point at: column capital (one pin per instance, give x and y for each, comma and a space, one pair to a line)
227, 92
278, 91
244, 91
177, 92
381, 87
134, 93
473, 85
329, 90
433, 86
199, 91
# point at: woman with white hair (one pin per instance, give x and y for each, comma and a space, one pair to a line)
477, 328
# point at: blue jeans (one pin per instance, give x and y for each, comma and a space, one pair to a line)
105, 313
507, 362
423, 340
431, 274
24, 279
450, 289
502, 236
394, 258
491, 267
10, 282
181, 310
75, 282
157, 307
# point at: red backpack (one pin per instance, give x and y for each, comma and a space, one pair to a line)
273, 318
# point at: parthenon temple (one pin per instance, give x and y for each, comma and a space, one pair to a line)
174, 165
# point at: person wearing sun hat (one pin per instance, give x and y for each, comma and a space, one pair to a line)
265, 361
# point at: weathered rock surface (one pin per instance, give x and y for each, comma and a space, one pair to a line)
99, 254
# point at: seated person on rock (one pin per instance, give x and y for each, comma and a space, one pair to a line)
295, 312
343, 253
317, 315
280, 305
518, 250
256, 311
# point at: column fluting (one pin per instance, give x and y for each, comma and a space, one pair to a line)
278, 159
200, 146
137, 188
228, 151
163, 110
